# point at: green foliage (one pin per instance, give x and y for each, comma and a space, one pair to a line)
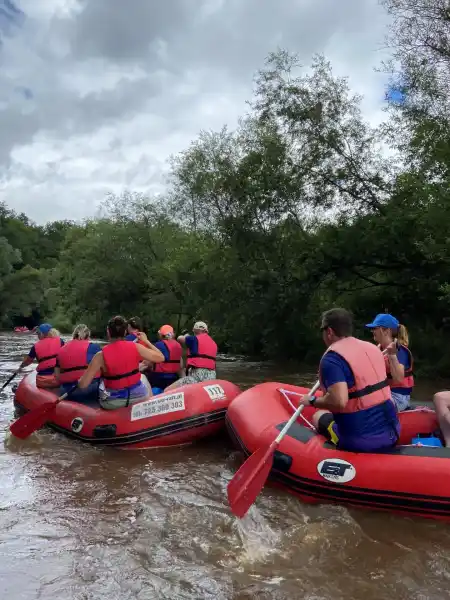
263, 228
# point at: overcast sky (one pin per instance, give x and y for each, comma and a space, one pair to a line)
96, 94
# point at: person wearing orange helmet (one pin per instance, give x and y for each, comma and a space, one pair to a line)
161, 375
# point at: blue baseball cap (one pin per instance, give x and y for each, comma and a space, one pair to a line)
45, 328
384, 320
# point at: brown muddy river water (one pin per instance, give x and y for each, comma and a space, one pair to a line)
83, 523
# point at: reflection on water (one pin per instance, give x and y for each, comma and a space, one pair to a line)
83, 523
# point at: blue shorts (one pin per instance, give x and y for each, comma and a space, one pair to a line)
328, 427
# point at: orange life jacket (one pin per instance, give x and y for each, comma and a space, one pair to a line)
369, 371
72, 361
173, 364
206, 353
46, 352
408, 379
121, 360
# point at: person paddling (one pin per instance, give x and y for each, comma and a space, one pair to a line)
393, 337
201, 356
73, 360
359, 415
118, 363
44, 351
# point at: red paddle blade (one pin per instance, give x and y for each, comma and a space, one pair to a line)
249, 480
32, 420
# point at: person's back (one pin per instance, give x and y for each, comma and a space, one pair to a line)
201, 356
72, 361
202, 351
119, 364
121, 360
358, 414
44, 351
368, 422
167, 372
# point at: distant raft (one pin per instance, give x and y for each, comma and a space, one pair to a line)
409, 479
178, 417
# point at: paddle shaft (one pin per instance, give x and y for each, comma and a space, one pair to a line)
295, 416
9, 380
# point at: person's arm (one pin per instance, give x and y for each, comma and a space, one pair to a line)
181, 339
56, 372
397, 361
95, 365
336, 397
27, 360
149, 351
335, 373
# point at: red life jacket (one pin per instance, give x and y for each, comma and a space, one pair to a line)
408, 379
121, 360
173, 364
72, 361
206, 354
369, 371
46, 352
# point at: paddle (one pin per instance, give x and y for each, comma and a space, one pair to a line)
251, 477
10, 379
36, 418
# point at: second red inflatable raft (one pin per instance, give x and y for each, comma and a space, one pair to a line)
412, 480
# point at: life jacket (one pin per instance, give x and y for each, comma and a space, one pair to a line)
46, 381
408, 379
206, 353
369, 371
173, 364
121, 360
46, 352
72, 361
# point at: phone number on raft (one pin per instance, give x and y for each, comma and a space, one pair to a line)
161, 408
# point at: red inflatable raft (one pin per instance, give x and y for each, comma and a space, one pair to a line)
174, 418
412, 480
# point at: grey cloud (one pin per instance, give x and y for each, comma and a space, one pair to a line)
196, 60
126, 30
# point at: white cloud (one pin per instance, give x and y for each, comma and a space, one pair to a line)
95, 95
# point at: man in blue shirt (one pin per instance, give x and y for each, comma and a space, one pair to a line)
359, 415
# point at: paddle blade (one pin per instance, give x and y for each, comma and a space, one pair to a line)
249, 480
33, 420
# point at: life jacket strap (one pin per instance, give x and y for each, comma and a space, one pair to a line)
122, 376
81, 368
202, 356
369, 389
408, 373
46, 358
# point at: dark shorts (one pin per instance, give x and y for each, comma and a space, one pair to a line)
328, 428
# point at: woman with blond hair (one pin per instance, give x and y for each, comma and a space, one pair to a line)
73, 360
44, 351
392, 337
